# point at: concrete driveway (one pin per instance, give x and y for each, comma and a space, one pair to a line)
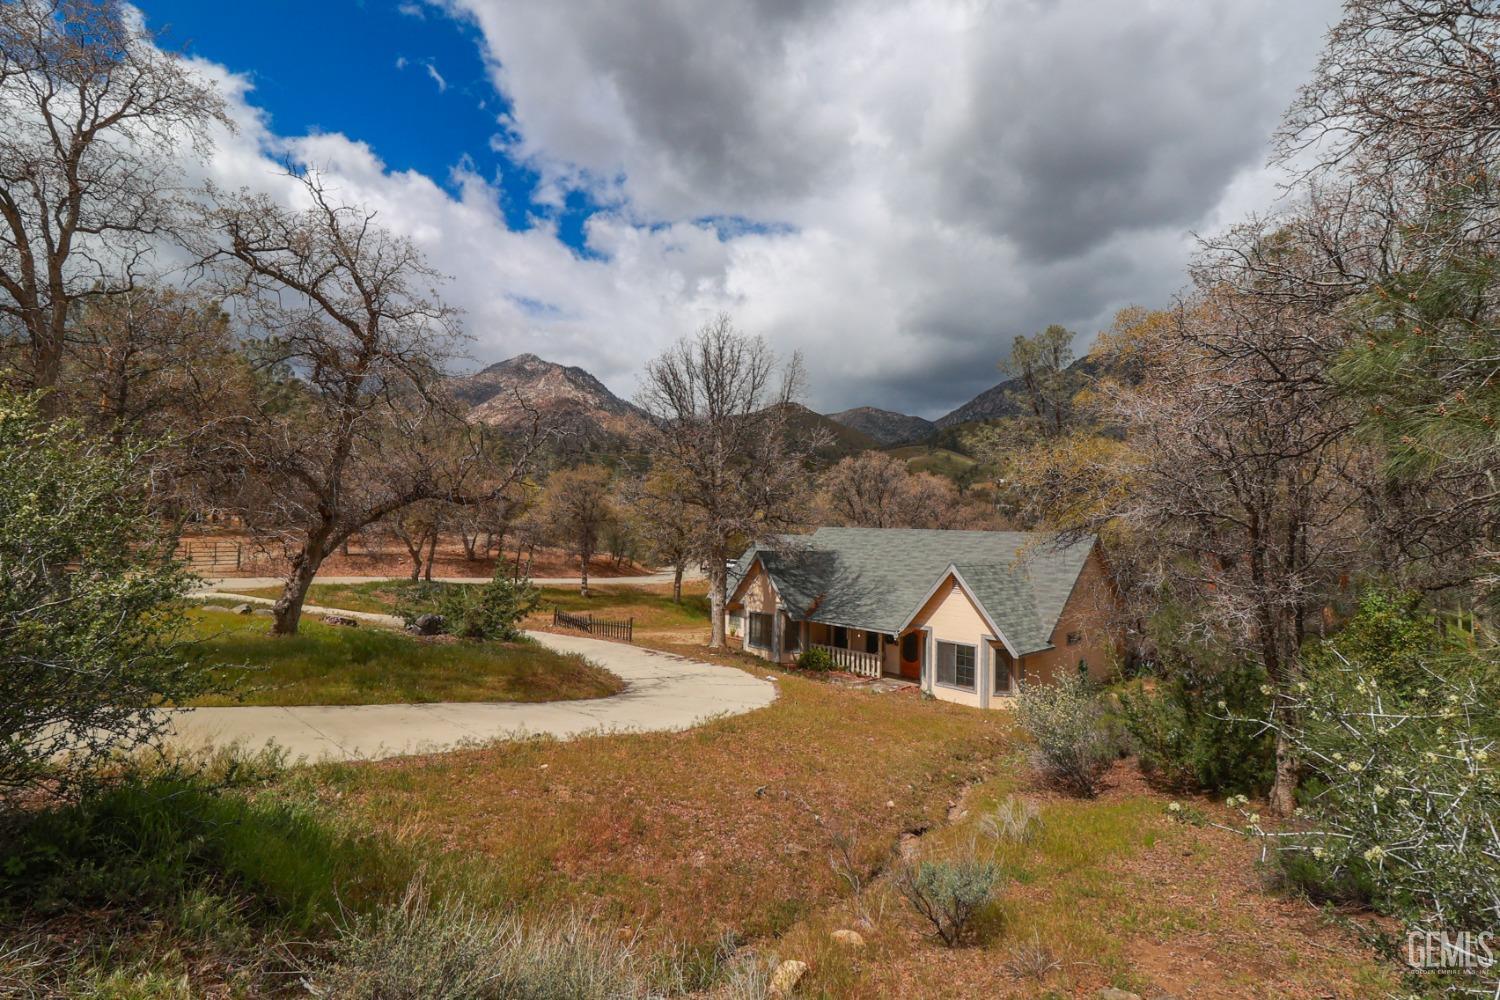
663, 692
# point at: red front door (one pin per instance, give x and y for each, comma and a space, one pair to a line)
911, 656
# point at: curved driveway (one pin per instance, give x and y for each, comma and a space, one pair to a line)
662, 692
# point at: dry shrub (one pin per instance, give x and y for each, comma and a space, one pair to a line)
421, 949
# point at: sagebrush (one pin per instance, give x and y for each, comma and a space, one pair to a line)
1073, 743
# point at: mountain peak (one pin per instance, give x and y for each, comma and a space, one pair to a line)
505, 393
885, 426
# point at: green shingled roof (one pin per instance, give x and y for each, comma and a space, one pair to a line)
877, 578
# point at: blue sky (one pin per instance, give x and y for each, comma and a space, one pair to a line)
403, 77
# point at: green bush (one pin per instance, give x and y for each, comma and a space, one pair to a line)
90, 618
419, 949
146, 840
1188, 730
950, 895
1073, 742
815, 660
493, 611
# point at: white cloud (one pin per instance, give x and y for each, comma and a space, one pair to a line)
939, 175
437, 78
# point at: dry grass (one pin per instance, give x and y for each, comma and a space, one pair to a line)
1113, 893
688, 835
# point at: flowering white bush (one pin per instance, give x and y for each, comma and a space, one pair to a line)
1401, 794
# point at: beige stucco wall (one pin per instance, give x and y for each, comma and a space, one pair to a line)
1085, 614
952, 617
756, 594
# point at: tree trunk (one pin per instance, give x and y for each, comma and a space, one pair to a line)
286, 613
583, 574
471, 544
432, 541
1283, 799
677, 583
717, 598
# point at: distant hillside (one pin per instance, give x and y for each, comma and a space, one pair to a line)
842, 440
885, 426
1008, 398
1004, 400
568, 399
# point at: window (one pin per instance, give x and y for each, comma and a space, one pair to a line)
872, 642
760, 630
841, 637
955, 665
1002, 672
791, 635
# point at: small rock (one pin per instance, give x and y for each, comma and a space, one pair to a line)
344, 620
786, 977
268, 612
428, 624
242, 609
853, 939
890, 803
1113, 993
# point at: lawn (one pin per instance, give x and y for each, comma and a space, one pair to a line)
339, 665
651, 606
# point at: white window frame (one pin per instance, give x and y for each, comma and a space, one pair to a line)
937, 666
770, 619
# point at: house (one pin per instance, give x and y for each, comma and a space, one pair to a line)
969, 615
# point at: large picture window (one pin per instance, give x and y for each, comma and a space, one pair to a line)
760, 630
955, 665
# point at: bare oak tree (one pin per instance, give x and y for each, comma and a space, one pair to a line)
96, 117
877, 490
577, 509
721, 408
351, 424
1241, 469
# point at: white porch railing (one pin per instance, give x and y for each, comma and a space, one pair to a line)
855, 661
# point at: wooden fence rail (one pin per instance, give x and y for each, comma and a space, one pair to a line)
606, 627
853, 660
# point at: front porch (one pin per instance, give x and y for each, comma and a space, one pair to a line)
865, 652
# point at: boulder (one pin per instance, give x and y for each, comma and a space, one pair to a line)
786, 977
1115, 993
344, 620
428, 624
242, 609
848, 938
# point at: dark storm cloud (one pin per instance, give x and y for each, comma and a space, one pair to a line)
941, 175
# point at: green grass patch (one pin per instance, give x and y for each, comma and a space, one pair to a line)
650, 610
338, 665
651, 607
375, 596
